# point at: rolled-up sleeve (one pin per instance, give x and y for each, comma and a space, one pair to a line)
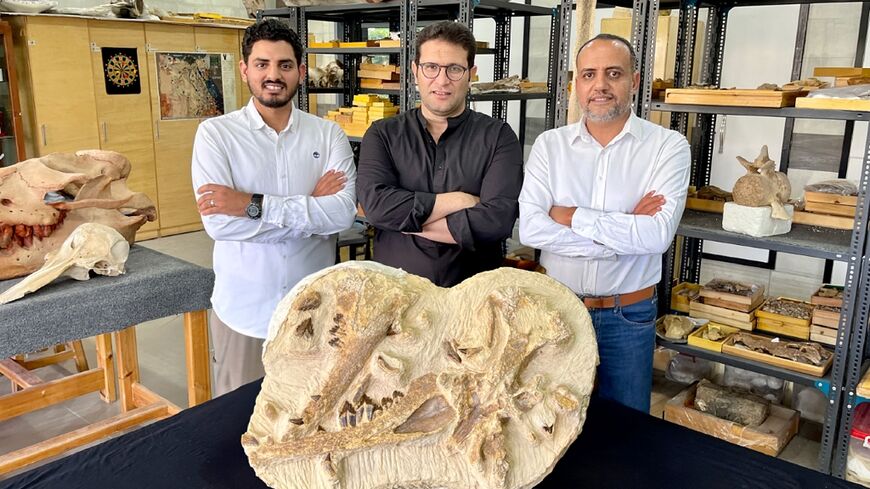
386, 204
493, 218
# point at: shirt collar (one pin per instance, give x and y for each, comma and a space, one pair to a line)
256, 122
633, 126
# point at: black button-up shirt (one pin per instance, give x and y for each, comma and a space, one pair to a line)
402, 169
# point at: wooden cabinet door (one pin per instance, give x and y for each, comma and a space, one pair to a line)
62, 85
173, 139
124, 120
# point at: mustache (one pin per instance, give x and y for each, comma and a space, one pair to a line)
274, 82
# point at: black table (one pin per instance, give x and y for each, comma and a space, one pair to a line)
618, 448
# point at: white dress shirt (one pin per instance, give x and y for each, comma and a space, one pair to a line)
256, 262
607, 250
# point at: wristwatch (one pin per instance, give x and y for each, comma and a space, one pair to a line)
254, 210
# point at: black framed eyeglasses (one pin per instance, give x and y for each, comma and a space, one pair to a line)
432, 70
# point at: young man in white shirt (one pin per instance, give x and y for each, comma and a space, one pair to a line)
274, 186
602, 199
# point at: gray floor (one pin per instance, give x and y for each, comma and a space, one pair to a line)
161, 356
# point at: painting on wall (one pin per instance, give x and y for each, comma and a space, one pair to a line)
195, 85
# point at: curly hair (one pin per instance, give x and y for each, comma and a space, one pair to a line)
271, 29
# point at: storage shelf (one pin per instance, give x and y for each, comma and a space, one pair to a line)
483, 97
762, 368
491, 8
832, 244
840, 115
325, 90
374, 51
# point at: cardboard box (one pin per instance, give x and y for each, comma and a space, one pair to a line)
770, 437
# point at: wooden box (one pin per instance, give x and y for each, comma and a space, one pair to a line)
823, 198
705, 205
359, 44
785, 325
735, 302
721, 315
827, 316
327, 44
828, 301
390, 43
823, 220
682, 294
770, 437
818, 371
734, 97
832, 104
697, 338
841, 71
825, 336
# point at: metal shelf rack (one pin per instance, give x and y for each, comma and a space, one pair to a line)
405, 16
851, 247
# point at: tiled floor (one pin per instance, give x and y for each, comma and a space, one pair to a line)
161, 357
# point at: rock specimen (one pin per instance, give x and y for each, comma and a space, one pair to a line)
91, 246
713, 332
378, 379
42, 200
677, 327
763, 185
788, 307
731, 404
799, 351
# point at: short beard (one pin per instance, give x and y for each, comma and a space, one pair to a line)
274, 103
609, 116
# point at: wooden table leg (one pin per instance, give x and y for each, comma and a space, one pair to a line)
198, 361
105, 361
128, 366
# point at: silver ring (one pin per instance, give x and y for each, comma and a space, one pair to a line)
211, 202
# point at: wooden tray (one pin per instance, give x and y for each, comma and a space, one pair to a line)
770, 437
823, 220
832, 104
826, 336
818, 371
828, 319
327, 44
776, 327
827, 301
705, 205
836, 71
697, 338
743, 303
735, 97
728, 317
830, 209
359, 44
771, 316
680, 302
823, 198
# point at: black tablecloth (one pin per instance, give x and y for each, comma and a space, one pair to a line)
618, 448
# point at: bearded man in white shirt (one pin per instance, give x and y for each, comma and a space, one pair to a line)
274, 186
602, 199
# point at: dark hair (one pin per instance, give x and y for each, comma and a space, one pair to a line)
632, 57
452, 32
271, 29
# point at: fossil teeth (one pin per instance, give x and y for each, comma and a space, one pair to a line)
296, 421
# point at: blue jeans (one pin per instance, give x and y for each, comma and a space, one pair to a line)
626, 339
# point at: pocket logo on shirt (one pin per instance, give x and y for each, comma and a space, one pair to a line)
316, 154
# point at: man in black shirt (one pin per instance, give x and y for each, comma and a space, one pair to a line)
440, 183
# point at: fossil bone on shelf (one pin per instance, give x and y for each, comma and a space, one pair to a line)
763, 185
91, 246
377, 379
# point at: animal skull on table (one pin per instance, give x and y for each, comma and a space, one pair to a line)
91, 246
376, 378
42, 200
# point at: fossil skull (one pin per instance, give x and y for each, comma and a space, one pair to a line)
377, 379
91, 246
42, 200
763, 185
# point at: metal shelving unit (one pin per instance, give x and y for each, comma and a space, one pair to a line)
850, 247
406, 15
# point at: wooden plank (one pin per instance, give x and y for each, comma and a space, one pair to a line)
781, 328
732, 305
60, 444
198, 361
48, 393
106, 361
832, 104
773, 318
46, 360
832, 209
19, 375
823, 198
818, 371
128, 365
864, 386
698, 306
749, 300
80, 357
822, 220
836, 71
144, 397
735, 97
378, 74
705, 205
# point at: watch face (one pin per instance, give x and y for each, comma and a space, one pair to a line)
253, 210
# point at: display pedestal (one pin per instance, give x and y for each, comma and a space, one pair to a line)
754, 221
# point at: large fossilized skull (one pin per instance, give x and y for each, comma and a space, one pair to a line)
377, 379
763, 185
42, 200
91, 246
